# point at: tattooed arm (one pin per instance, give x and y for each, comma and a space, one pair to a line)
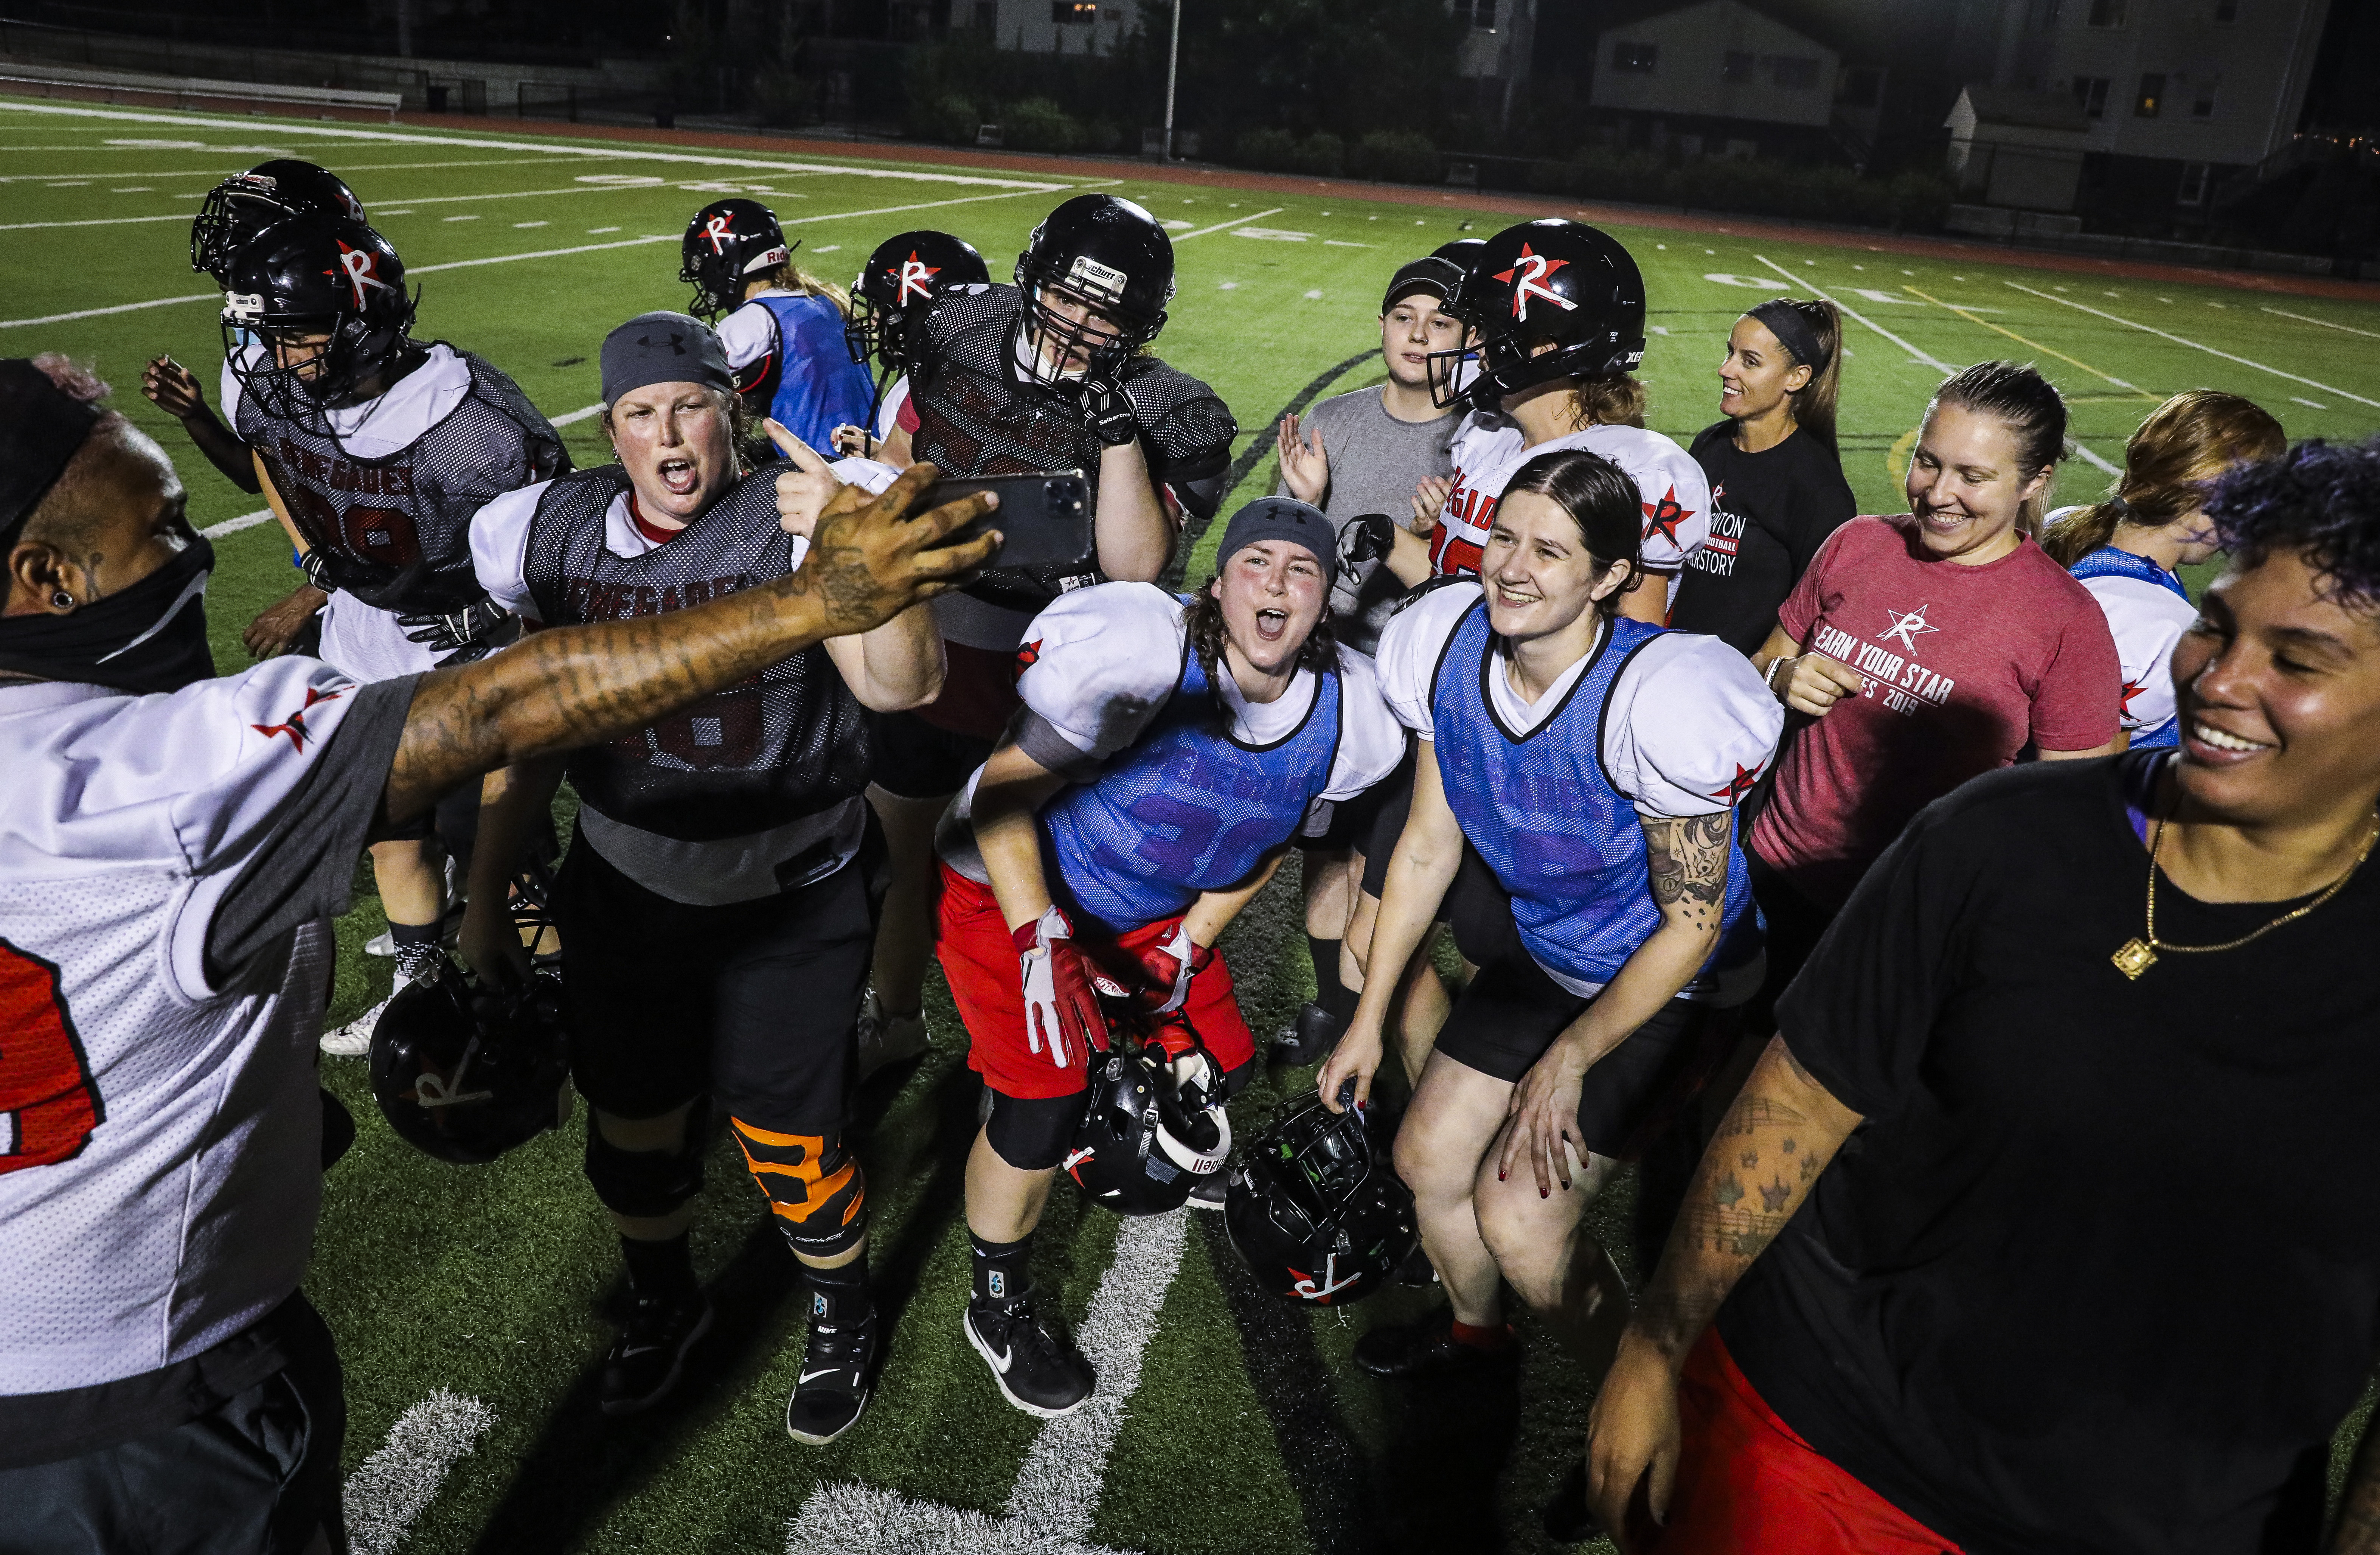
579, 685
1685, 863
1776, 1139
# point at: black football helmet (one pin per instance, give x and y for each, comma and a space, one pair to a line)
466, 1075
1318, 1215
245, 203
1462, 252
1553, 280
902, 275
727, 240
313, 275
1107, 252
1152, 1128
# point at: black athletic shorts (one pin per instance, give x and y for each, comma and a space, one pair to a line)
256, 1475
1512, 1012
1392, 802
916, 760
754, 1002
1354, 821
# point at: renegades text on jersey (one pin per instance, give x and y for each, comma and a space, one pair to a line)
1487, 452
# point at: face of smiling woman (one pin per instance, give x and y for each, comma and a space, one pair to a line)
1538, 573
676, 444
1272, 594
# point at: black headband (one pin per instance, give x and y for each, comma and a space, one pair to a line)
42, 426
1785, 321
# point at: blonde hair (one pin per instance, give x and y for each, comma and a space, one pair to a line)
2169, 466
792, 277
1614, 400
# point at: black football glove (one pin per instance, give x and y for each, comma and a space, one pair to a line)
1363, 545
330, 572
458, 631
1105, 410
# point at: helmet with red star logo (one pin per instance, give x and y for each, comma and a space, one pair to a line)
325, 297
901, 277
245, 203
726, 243
1315, 1209
1554, 282
464, 1073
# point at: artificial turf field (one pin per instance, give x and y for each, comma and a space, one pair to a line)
473, 1305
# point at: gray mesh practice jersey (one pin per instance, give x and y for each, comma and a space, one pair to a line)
408, 513
788, 742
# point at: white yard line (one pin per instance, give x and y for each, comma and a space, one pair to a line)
1236, 221
2194, 344
96, 220
567, 417
2310, 319
613, 152
1057, 1493
1936, 365
119, 308
389, 1489
2083, 451
242, 166
233, 527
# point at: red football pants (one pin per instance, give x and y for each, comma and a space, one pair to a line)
1747, 1484
979, 959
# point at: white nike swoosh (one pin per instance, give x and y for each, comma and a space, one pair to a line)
823, 1371
1001, 1365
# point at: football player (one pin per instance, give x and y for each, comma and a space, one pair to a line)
1167, 748
176, 848
1592, 762
783, 327
1557, 313
1053, 373
375, 450
729, 844
905, 272
234, 211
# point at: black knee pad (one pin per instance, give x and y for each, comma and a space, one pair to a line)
1031, 1133
645, 1185
813, 1186
1236, 1080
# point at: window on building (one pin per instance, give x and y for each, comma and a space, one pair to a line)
2195, 177
2109, 13
987, 16
1795, 72
2152, 98
1066, 13
2202, 100
2226, 11
1479, 15
2092, 92
2045, 15
1861, 87
1640, 58
1736, 67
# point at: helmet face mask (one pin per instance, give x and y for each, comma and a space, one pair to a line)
727, 243
902, 279
1096, 276
324, 299
243, 205
1071, 336
1317, 1212
1545, 299
1152, 1125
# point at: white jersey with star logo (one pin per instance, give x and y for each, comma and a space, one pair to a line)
1487, 450
160, 1127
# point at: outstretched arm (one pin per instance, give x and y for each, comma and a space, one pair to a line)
175, 389
581, 685
1781, 1134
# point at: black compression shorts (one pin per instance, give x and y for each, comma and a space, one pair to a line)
754, 1002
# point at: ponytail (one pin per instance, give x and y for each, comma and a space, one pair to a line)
2169, 465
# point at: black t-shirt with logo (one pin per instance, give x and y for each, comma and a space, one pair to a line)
1770, 512
2100, 1273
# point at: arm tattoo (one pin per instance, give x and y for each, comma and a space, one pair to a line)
1686, 861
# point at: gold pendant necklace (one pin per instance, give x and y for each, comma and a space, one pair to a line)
2139, 955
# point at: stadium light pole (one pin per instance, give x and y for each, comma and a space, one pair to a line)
1173, 62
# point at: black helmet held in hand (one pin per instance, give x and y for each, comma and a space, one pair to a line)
1316, 1212
245, 203
1153, 1126
1553, 281
1106, 259
325, 298
464, 1073
903, 274
727, 241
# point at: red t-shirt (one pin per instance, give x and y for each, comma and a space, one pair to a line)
1966, 666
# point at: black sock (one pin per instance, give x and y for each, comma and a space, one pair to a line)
402, 934
1335, 998
839, 1294
661, 1269
1001, 1271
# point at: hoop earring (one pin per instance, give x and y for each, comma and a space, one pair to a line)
64, 600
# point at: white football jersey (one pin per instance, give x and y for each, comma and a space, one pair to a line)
1687, 728
159, 1134
1487, 452
888, 414
2146, 619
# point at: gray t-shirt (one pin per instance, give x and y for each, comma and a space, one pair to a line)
1375, 461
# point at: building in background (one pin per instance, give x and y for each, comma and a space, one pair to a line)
1716, 77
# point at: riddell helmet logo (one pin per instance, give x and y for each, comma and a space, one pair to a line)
358, 267
1528, 277
719, 229
914, 274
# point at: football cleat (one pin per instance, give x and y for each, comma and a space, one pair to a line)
1310, 1038
1552, 281
1036, 1366
649, 1355
832, 1389
1319, 1214
885, 1040
1427, 1349
466, 1075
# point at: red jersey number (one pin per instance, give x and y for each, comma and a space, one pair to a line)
46, 1094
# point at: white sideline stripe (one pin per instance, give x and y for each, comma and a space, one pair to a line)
1236, 221
542, 253
1057, 1489
1929, 361
567, 417
96, 220
242, 168
2310, 319
2082, 451
2194, 344
233, 526
389, 1489
613, 152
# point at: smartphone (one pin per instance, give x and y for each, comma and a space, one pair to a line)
1044, 520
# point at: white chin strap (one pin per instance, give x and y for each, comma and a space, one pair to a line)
1188, 1068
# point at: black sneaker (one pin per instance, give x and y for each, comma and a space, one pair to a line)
1036, 1367
1308, 1040
832, 1389
1426, 1349
1209, 1192
645, 1359
1567, 1519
